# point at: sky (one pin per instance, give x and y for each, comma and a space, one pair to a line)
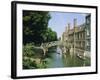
59, 21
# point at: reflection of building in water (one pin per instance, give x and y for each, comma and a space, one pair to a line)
78, 37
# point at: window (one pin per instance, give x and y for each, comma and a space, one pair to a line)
87, 32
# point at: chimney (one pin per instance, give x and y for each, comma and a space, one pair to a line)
75, 22
68, 26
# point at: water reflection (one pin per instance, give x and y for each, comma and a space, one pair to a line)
65, 60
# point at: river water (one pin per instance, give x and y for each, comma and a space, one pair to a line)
58, 60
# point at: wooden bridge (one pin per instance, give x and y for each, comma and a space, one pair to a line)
45, 46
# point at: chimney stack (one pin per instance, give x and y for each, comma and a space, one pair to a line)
68, 26
75, 22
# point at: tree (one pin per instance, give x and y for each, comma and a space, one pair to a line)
51, 35
34, 26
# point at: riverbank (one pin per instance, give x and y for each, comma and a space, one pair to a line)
33, 59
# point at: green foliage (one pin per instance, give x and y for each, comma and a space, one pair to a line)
28, 64
52, 36
28, 51
32, 57
35, 27
34, 24
28, 54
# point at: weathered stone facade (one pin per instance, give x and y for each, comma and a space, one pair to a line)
78, 37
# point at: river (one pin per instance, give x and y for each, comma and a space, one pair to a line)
60, 60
